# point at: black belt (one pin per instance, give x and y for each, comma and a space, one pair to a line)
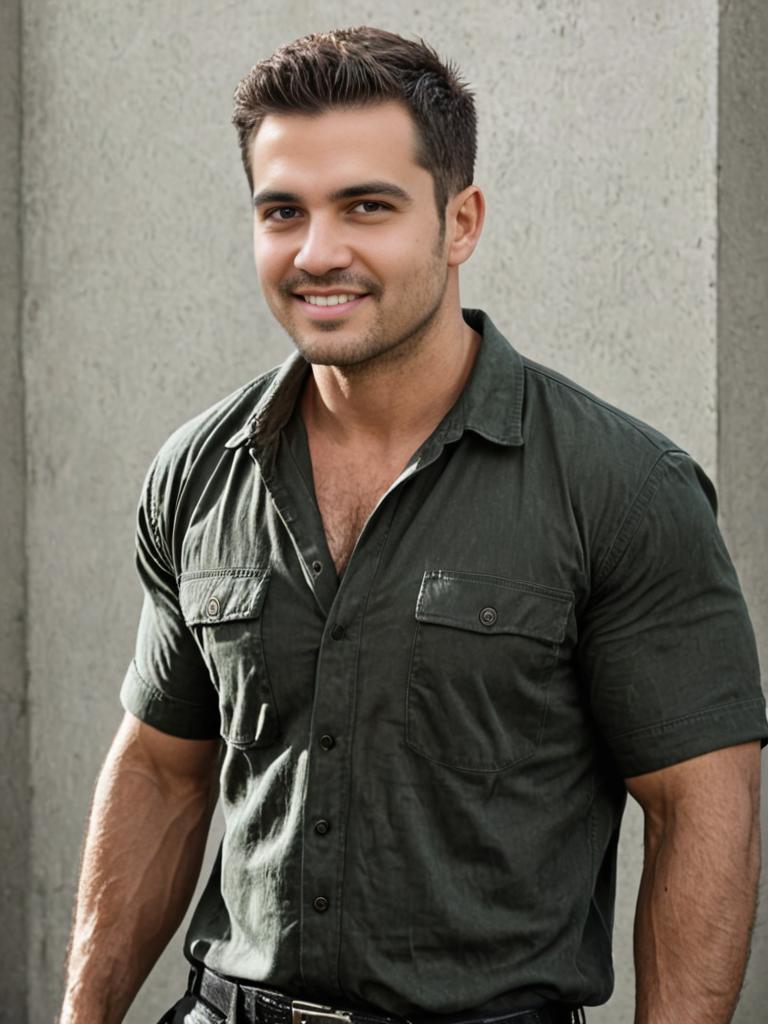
246, 1004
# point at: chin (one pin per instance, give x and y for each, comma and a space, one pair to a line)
320, 354
327, 345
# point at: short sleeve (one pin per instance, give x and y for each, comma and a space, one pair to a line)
167, 684
666, 647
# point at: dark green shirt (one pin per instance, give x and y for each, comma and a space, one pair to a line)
423, 762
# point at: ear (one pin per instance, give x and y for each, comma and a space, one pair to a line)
464, 216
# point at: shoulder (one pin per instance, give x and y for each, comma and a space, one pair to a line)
602, 451
188, 457
577, 412
210, 429
615, 468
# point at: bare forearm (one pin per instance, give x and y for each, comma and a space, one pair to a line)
694, 918
141, 861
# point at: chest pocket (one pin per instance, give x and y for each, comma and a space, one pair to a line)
483, 655
223, 609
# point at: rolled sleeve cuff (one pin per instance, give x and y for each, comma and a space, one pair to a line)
169, 714
667, 743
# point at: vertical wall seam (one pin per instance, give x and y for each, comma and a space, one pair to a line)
742, 362
25, 468
722, 7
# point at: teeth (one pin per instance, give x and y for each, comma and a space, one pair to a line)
329, 300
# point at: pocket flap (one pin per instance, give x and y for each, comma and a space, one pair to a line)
490, 604
222, 595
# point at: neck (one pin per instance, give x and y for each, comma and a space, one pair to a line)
389, 402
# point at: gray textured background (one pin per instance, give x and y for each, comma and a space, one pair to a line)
624, 153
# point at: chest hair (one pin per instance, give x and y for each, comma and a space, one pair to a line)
347, 492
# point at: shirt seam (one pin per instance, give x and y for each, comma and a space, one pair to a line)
658, 727
235, 572
524, 586
630, 523
154, 512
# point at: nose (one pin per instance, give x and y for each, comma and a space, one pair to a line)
323, 249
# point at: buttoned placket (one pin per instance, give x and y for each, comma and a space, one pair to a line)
331, 738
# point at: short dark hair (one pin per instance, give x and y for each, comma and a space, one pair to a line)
356, 67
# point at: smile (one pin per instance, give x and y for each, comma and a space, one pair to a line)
329, 305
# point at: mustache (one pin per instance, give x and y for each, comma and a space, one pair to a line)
364, 284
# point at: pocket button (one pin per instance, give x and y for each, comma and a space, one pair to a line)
488, 616
213, 608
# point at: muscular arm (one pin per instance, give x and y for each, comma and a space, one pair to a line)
144, 847
698, 891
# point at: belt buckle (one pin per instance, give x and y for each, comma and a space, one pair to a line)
309, 1013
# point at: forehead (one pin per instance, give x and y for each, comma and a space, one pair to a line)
377, 141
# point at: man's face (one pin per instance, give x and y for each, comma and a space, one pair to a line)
347, 241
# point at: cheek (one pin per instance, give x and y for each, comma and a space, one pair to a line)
398, 258
270, 255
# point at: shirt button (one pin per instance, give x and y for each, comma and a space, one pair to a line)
317, 567
322, 827
213, 608
488, 616
320, 903
338, 632
326, 741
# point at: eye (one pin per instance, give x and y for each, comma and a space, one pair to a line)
281, 214
370, 206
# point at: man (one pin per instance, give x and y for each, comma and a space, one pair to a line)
443, 608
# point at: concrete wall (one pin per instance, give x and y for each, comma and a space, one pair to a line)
743, 352
598, 154
14, 739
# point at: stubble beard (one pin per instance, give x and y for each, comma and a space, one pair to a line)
382, 343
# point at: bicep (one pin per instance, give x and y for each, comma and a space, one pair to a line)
175, 759
717, 790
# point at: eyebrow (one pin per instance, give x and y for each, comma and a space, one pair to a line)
365, 188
